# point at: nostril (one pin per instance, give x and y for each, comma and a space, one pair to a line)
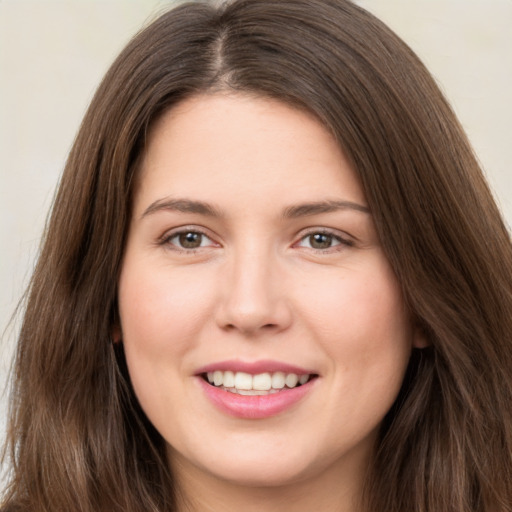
249, 329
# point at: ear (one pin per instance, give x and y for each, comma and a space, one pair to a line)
116, 333
420, 338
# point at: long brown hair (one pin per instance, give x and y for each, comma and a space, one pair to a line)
78, 439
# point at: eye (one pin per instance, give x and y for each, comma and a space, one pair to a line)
188, 240
322, 241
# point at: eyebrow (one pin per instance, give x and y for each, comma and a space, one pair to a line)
306, 209
291, 212
183, 206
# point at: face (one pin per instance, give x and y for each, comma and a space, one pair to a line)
264, 330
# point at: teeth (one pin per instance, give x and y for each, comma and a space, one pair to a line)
262, 381
218, 378
291, 380
229, 379
278, 380
243, 380
250, 392
260, 384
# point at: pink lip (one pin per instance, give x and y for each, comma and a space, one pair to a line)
254, 367
255, 406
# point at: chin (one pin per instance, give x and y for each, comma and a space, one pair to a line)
250, 474
246, 466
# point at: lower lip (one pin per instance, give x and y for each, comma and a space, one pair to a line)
255, 406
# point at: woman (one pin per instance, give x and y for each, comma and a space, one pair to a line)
274, 278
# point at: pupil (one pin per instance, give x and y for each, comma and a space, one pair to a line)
190, 240
320, 241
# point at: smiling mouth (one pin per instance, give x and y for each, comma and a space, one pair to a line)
266, 383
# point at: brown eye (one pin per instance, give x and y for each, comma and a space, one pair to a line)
190, 240
320, 241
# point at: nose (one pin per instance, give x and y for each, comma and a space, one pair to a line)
254, 295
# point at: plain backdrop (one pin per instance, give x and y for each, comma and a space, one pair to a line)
54, 53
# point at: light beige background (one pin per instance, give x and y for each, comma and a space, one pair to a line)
54, 53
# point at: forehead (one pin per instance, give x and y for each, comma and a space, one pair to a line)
240, 146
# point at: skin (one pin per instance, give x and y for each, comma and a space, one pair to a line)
258, 287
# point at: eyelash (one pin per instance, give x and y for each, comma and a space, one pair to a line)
168, 237
341, 242
340, 245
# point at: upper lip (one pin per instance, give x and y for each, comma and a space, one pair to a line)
254, 367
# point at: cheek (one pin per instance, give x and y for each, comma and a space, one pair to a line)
359, 303
368, 342
362, 324
161, 308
